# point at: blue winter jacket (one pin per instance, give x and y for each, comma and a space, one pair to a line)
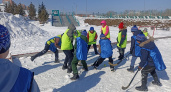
16, 79
145, 57
132, 48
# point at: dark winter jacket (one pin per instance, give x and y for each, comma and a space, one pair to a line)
132, 48
71, 28
145, 55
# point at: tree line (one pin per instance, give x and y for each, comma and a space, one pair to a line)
18, 9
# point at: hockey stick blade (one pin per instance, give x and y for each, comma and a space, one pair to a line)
130, 81
125, 87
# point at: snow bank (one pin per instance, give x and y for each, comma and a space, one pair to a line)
19, 27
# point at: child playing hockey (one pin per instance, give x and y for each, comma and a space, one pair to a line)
52, 44
105, 51
80, 53
121, 40
92, 37
151, 59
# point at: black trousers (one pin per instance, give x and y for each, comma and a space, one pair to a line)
68, 58
121, 52
144, 73
100, 60
95, 48
46, 48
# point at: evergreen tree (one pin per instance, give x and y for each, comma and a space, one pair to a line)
32, 11
16, 11
20, 9
42, 13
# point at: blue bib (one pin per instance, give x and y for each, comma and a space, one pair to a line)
106, 48
81, 51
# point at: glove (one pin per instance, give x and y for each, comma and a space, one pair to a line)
130, 52
94, 40
139, 68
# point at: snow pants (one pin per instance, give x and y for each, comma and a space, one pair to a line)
95, 48
75, 63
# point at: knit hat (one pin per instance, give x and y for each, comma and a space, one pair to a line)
102, 35
145, 29
140, 37
4, 39
134, 28
84, 33
121, 25
92, 28
103, 22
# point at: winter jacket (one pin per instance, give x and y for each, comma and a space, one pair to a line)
122, 38
145, 57
54, 42
16, 79
132, 48
105, 31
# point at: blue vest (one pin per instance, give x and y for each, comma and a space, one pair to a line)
52, 45
106, 48
23, 82
81, 51
137, 47
157, 58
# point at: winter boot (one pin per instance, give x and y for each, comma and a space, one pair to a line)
112, 68
64, 67
76, 76
85, 69
69, 69
156, 80
57, 61
141, 88
32, 58
131, 69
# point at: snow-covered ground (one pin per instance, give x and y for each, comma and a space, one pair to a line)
29, 36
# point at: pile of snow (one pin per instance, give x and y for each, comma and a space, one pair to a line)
19, 27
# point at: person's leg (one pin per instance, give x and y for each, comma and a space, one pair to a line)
98, 62
88, 48
74, 68
84, 65
122, 50
70, 57
156, 79
95, 49
131, 69
111, 61
66, 60
56, 56
46, 48
144, 73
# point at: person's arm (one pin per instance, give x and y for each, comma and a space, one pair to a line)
99, 50
132, 45
70, 35
57, 40
96, 37
123, 37
143, 57
88, 36
107, 31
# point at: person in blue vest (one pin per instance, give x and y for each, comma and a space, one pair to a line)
105, 51
80, 53
51, 44
147, 63
92, 37
12, 77
135, 32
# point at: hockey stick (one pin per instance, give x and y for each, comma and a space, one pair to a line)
119, 61
130, 81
